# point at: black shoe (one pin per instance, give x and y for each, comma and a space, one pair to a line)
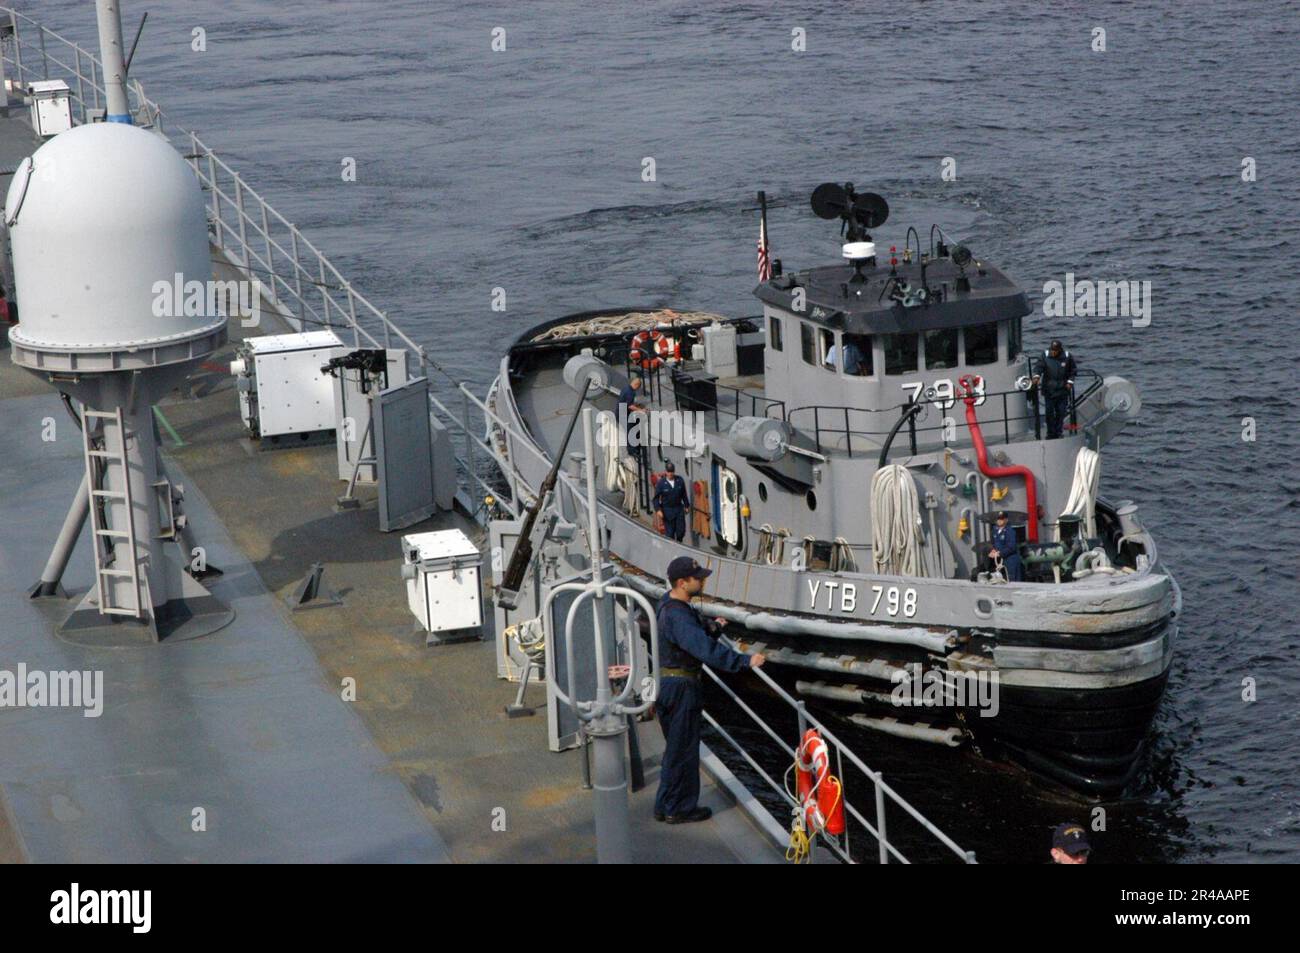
660, 817
690, 817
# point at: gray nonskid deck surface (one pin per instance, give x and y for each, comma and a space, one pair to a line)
239, 723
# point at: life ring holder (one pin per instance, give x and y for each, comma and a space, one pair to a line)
645, 349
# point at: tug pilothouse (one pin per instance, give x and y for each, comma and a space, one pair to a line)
872, 468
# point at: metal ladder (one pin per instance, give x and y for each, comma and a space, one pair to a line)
103, 573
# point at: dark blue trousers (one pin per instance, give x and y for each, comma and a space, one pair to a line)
675, 524
678, 709
1058, 409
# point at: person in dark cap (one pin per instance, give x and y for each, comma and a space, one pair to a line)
671, 502
686, 643
629, 404
1006, 545
629, 401
1054, 373
1070, 844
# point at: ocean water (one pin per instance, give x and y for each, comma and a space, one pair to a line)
522, 170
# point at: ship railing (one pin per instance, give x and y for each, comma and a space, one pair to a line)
722, 403
727, 403
855, 431
877, 827
301, 284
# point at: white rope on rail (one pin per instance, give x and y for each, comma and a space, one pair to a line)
1083, 493
607, 438
898, 544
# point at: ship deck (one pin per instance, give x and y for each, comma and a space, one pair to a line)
248, 723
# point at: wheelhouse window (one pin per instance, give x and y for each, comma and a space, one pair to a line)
1013, 339
774, 340
856, 358
941, 349
808, 342
826, 348
981, 343
900, 353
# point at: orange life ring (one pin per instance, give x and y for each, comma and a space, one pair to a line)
820, 793
651, 348
645, 349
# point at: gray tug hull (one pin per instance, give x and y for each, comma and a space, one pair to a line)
1080, 667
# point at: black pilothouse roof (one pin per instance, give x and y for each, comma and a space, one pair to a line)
867, 296
872, 299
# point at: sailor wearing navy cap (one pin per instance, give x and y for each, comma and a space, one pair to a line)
671, 501
1070, 844
1054, 372
686, 642
1006, 545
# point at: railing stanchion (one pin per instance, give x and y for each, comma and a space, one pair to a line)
324, 295
216, 198
352, 317
270, 255
880, 823
81, 89
45, 59
243, 232
297, 274
18, 55
469, 444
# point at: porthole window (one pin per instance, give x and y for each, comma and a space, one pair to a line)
762, 491
812, 500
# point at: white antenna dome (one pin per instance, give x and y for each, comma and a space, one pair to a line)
859, 251
98, 216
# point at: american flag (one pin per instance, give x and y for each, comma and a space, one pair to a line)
764, 261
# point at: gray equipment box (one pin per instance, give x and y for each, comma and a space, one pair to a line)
443, 585
282, 391
51, 101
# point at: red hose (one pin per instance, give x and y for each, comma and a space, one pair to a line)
982, 454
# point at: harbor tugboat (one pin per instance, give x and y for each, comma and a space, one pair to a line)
899, 502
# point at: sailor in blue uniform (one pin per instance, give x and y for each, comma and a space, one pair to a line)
671, 501
1055, 374
1005, 544
686, 642
629, 404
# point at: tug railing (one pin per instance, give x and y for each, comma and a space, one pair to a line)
826, 422
842, 753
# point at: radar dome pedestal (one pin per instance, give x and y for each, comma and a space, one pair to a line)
109, 237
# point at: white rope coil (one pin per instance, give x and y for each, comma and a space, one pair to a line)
898, 543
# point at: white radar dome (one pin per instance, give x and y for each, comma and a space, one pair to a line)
107, 227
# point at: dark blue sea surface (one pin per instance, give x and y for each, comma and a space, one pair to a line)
522, 169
